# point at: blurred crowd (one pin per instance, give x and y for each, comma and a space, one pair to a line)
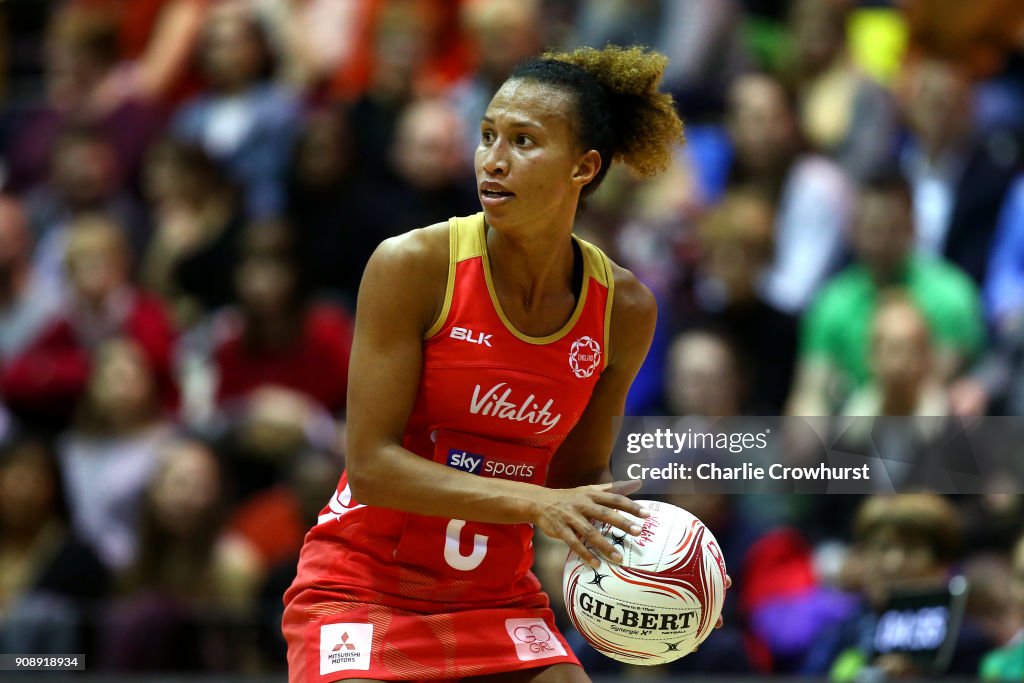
189, 190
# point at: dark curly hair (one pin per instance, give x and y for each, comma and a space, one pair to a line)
619, 110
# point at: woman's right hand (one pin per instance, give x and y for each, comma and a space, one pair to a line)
568, 515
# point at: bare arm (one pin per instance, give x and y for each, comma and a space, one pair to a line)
400, 296
173, 41
584, 456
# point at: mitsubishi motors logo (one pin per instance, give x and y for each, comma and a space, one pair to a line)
345, 647
344, 643
584, 357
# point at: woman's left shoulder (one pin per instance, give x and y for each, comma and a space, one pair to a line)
633, 317
632, 301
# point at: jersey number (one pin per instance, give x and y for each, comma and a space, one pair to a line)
453, 555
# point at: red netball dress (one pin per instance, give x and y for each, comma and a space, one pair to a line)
385, 594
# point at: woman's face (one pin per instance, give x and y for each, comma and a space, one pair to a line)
760, 123
122, 384
324, 153
528, 164
896, 557
232, 55
186, 489
27, 489
265, 277
166, 178
95, 260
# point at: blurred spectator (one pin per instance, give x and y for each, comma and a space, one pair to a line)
1004, 284
991, 602
109, 454
156, 39
1007, 663
701, 38
190, 580
84, 178
326, 203
903, 373
27, 302
843, 112
424, 178
736, 245
81, 51
427, 178
992, 520
315, 37
242, 120
979, 36
404, 44
785, 602
502, 33
278, 336
648, 227
835, 338
197, 222
959, 177
275, 522
997, 380
703, 376
50, 582
399, 44
903, 542
813, 196
271, 432
51, 373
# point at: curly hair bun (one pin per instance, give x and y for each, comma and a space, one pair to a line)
644, 120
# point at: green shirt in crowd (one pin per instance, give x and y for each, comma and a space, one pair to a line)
837, 326
1004, 664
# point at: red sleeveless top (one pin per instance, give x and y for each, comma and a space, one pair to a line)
492, 401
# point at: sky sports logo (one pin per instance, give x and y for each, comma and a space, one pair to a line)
474, 463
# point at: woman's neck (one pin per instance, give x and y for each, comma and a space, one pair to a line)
531, 267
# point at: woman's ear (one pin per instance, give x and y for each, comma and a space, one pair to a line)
587, 168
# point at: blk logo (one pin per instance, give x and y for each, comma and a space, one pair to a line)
472, 337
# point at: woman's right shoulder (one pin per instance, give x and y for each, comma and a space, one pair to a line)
420, 251
411, 267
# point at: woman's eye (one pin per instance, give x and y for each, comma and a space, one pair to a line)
523, 140
487, 136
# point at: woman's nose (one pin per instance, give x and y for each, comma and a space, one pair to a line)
495, 159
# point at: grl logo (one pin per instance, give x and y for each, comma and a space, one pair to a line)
533, 639
584, 357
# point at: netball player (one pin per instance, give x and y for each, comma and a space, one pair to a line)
491, 354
